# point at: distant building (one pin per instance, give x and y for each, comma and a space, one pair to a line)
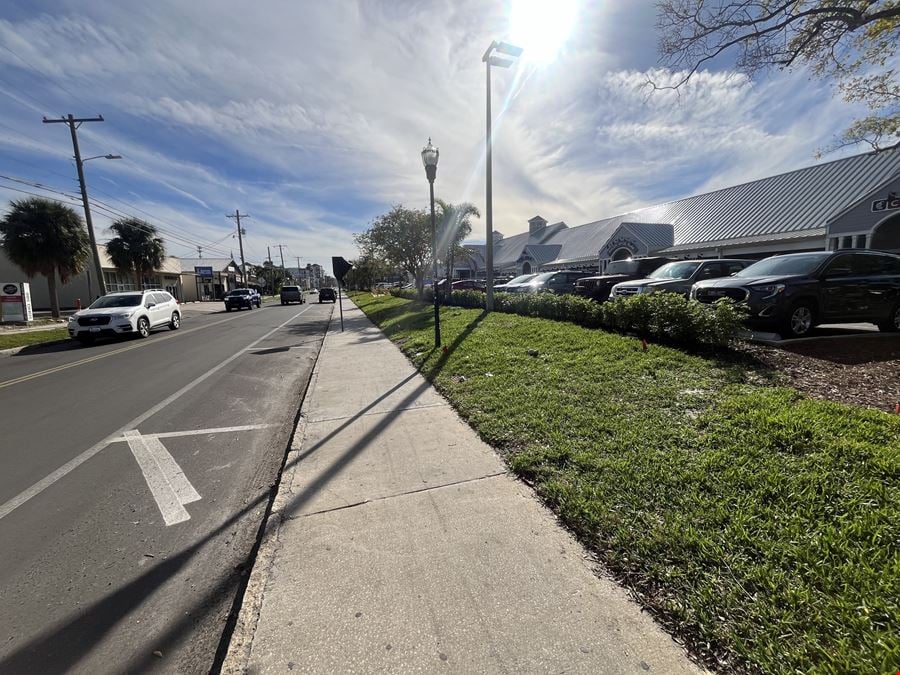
847, 203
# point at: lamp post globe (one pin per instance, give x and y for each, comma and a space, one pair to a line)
430, 156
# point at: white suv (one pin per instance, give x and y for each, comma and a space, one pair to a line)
129, 312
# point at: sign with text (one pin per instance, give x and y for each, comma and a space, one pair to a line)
15, 302
204, 272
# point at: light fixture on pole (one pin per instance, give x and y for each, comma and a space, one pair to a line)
491, 60
430, 159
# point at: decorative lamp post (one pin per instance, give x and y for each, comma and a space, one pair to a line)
430, 159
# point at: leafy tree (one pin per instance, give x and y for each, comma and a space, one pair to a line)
367, 270
402, 238
45, 237
136, 248
455, 226
273, 277
853, 43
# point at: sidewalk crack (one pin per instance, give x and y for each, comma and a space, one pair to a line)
394, 496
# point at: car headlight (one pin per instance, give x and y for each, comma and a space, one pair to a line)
770, 291
125, 315
73, 319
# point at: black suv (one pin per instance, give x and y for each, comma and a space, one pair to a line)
598, 287
795, 292
327, 294
242, 297
555, 282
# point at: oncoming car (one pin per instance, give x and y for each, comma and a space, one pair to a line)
242, 297
125, 313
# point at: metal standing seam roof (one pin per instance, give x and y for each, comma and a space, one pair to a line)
799, 202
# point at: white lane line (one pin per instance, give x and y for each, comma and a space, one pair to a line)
201, 432
164, 492
173, 473
74, 463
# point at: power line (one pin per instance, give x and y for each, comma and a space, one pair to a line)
46, 77
111, 211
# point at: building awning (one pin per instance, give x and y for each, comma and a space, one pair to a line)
743, 241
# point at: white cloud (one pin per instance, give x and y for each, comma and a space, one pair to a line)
310, 115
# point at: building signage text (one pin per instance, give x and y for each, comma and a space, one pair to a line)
889, 204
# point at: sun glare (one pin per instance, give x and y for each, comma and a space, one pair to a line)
541, 27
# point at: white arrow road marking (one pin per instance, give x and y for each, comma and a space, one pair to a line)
170, 487
201, 432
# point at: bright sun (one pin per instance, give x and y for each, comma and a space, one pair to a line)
541, 27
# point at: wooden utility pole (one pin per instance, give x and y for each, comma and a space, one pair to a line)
74, 123
237, 216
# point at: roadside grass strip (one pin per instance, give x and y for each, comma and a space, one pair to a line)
32, 338
762, 528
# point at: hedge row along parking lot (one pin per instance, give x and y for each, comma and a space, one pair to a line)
758, 525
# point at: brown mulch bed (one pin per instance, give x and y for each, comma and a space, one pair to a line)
862, 370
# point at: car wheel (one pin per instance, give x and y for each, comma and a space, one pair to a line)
250, 306
143, 327
175, 323
800, 320
892, 325
227, 308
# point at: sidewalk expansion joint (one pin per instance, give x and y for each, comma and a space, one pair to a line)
378, 412
394, 496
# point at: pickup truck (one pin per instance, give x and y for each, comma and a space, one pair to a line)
291, 294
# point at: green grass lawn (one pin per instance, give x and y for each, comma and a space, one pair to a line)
37, 337
760, 526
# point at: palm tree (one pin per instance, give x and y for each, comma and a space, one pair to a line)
455, 226
45, 237
136, 248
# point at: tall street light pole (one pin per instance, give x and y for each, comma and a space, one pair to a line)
87, 211
491, 60
430, 160
74, 123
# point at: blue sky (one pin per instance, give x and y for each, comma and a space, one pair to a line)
310, 116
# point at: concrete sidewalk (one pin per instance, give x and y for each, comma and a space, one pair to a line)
398, 543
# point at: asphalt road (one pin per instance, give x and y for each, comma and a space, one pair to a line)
122, 549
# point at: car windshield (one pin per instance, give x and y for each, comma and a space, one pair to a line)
291, 288
540, 278
131, 300
784, 264
522, 279
240, 291
675, 270
623, 267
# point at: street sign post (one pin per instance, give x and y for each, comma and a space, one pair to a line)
340, 267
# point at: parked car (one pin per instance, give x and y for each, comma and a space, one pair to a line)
680, 276
125, 313
468, 285
555, 282
291, 294
515, 284
794, 292
598, 287
327, 294
242, 297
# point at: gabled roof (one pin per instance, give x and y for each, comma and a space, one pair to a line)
789, 205
543, 253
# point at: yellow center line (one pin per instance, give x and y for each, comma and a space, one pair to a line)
143, 343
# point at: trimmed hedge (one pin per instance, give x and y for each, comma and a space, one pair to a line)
662, 317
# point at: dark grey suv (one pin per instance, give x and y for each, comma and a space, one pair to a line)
794, 292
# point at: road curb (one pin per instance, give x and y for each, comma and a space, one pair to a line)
12, 351
240, 646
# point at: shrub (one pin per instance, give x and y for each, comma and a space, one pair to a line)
662, 317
